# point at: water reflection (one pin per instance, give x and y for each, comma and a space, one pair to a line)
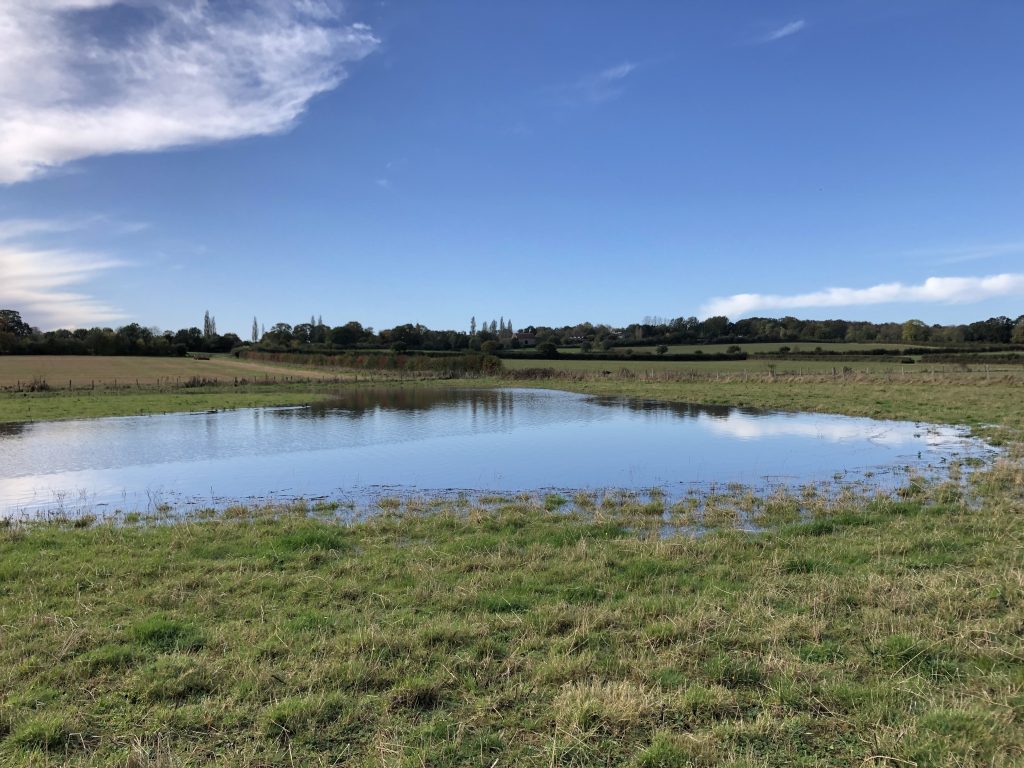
426, 439
10, 430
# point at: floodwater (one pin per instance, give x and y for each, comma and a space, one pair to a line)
375, 442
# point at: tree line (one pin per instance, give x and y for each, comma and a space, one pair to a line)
18, 337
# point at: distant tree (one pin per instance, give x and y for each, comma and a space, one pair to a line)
915, 332
409, 334
489, 347
190, 338
209, 325
399, 346
586, 346
714, 327
279, 334
1018, 331
347, 335
661, 349
733, 349
472, 326
11, 322
494, 327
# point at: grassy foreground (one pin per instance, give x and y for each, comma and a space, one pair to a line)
875, 633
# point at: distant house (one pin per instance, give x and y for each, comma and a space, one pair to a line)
525, 339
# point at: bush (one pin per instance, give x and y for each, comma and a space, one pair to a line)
547, 349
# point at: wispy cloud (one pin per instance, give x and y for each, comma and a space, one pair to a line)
784, 31
44, 283
939, 290
605, 85
976, 252
73, 83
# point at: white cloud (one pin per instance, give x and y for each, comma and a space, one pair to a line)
976, 252
74, 84
784, 31
829, 429
39, 282
606, 84
945, 290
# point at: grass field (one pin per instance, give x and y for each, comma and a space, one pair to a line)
82, 371
855, 631
129, 386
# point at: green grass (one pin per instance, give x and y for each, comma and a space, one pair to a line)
47, 406
882, 632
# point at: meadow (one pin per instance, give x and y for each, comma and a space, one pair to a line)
542, 630
87, 371
42, 388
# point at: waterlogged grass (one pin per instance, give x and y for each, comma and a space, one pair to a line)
542, 631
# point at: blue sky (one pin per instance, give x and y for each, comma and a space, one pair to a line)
551, 162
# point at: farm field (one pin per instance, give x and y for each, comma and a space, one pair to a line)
84, 370
131, 386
